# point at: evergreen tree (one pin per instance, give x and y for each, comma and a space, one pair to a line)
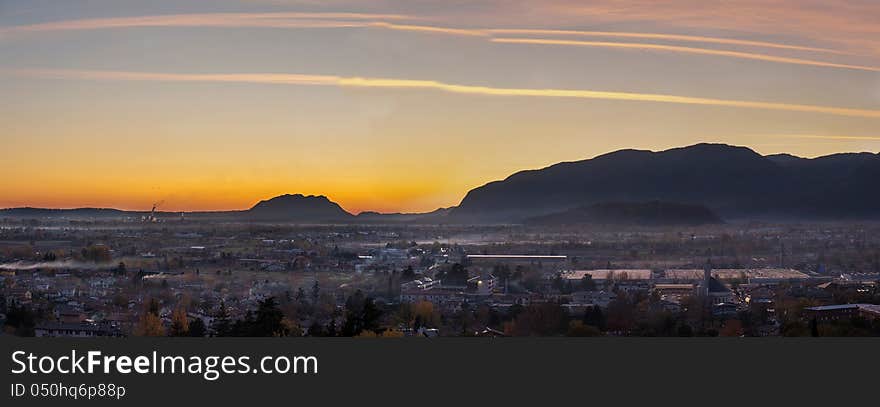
316, 329
408, 273
331, 327
593, 316
179, 323
197, 328
21, 318
361, 314
300, 296
221, 325
120, 269
269, 320
316, 292
354, 308
153, 307
372, 314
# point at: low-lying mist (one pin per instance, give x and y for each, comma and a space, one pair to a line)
66, 264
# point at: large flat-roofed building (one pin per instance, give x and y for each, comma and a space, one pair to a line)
675, 289
598, 298
556, 261
424, 283
79, 330
436, 296
605, 274
482, 285
764, 276
843, 311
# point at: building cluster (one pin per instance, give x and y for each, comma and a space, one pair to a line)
103, 279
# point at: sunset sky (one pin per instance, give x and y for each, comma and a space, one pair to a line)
405, 105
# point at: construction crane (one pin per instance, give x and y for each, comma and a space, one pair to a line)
152, 217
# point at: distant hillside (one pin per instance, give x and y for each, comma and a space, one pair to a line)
734, 182
435, 216
653, 213
284, 208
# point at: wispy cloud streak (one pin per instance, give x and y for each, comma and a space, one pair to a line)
360, 82
660, 36
686, 50
306, 20
248, 20
266, 20
431, 29
399, 22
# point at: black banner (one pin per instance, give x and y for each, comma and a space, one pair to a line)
541, 371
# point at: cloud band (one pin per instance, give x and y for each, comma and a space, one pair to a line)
361, 82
